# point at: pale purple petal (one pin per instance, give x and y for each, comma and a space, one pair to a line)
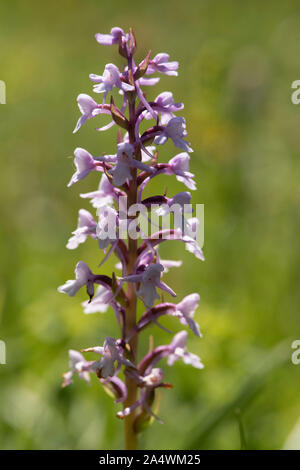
99, 302
148, 81
71, 288
148, 293
160, 63
166, 288
86, 226
84, 164
117, 387
112, 38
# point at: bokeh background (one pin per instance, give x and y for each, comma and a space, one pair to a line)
237, 63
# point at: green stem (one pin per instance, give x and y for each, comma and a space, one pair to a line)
131, 437
241, 429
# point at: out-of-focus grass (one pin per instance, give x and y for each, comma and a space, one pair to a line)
238, 60
241, 399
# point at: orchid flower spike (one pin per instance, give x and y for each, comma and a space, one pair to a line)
125, 172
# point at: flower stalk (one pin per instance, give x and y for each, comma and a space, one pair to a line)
124, 176
131, 436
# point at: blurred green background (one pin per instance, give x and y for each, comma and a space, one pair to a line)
237, 63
